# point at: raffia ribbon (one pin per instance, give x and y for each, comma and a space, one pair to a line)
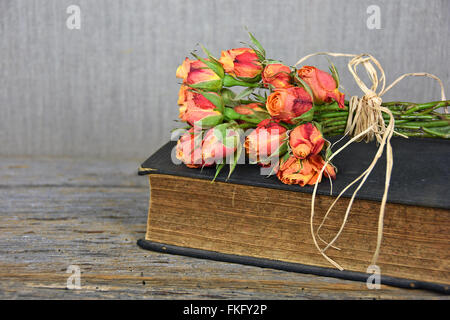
365, 122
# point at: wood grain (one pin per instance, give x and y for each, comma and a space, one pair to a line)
274, 224
55, 212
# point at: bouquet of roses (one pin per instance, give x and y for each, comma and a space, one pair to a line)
280, 117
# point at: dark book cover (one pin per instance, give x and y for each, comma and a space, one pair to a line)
420, 177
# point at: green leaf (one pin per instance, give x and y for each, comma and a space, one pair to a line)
218, 169
231, 114
305, 85
228, 97
243, 94
271, 61
261, 115
212, 58
212, 85
281, 150
306, 117
231, 141
210, 121
328, 151
253, 80
182, 128
282, 159
215, 99
257, 44
334, 74
318, 125
260, 98
229, 81
237, 155
212, 64
220, 131
250, 119
259, 54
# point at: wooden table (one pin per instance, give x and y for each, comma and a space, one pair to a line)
56, 212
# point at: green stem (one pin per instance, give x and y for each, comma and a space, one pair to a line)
229, 81
436, 133
424, 124
431, 109
419, 107
332, 120
333, 114
247, 125
335, 128
411, 119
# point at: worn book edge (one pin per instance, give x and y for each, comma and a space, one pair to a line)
416, 180
289, 266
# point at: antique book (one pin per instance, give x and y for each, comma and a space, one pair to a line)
257, 220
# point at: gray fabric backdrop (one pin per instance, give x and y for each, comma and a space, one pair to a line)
109, 89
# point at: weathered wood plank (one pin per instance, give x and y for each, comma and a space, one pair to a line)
59, 212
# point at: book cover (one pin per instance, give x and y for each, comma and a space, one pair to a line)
190, 215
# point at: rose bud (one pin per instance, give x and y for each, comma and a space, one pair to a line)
189, 149
263, 143
317, 163
196, 74
197, 108
228, 96
295, 171
216, 146
249, 109
305, 140
303, 172
287, 104
183, 95
242, 63
322, 84
277, 75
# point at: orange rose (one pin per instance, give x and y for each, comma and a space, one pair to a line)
197, 74
242, 63
248, 109
183, 96
303, 172
216, 147
322, 85
317, 162
264, 141
277, 75
189, 149
305, 140
197, 108
286, 104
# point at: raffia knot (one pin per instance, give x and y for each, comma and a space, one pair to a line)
365, 113
365, 122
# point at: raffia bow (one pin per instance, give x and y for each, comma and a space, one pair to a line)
365, 122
